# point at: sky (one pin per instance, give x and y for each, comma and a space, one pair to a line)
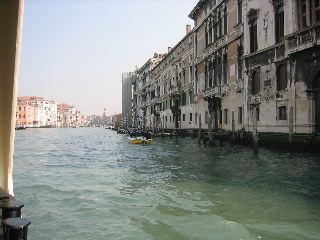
75, 51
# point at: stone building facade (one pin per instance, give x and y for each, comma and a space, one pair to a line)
282, 65
245, 63
144, 92
172, 80
219, 95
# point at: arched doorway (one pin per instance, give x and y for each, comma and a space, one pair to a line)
316, 89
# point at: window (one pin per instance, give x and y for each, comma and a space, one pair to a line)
166, 119
170, 118
239, 115
206, 118
316, 10
309, 12
282, 113
190, 117
258, 113
220, 27
220, 116
239, 11
240, 61
304, 13
225, 68
210, 69
279, 18
183, 117
210, 34
183, 99
207, 37
190, 74
281, 77
190, 97
255, 83
253, 14
196, 118
225, 21
225, 120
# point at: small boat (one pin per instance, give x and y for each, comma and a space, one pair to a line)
139, 140
21, 128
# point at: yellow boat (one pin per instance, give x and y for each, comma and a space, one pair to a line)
140, 140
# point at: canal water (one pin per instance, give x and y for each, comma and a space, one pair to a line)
90, 183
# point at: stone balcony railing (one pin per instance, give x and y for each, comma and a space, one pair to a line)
303, 39
239, 86
174, 90
216, 91
255, 100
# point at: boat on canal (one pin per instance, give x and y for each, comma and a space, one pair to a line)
139, 140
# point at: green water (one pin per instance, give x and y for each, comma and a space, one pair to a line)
90, 183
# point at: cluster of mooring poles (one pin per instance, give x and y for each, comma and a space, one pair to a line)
14, 227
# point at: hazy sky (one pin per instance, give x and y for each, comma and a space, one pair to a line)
74, 51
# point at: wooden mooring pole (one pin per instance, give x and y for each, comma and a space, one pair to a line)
254, 130
290, 128
210, 135
199, 131
233, 129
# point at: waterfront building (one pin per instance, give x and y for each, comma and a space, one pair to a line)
282, 65
144, 93
68, 116
33, 111
219, 95
116, 120
171, 92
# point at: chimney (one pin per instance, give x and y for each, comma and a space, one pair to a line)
188, 29
169, 49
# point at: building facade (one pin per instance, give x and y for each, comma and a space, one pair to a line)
282, 65
171, 101
144, 93
127, 81
246, 64
219, 95
35, 111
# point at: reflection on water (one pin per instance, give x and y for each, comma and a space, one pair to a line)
90, 183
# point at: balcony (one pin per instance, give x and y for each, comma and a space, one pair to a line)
174, 90
302, 40
216, 91
239, 86
255, 100
238, 30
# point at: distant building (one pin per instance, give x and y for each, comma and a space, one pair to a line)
144, 92
70, 116
35, 111
116, 120
127, 81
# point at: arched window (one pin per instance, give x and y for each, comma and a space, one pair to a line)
281, 77
255, 82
